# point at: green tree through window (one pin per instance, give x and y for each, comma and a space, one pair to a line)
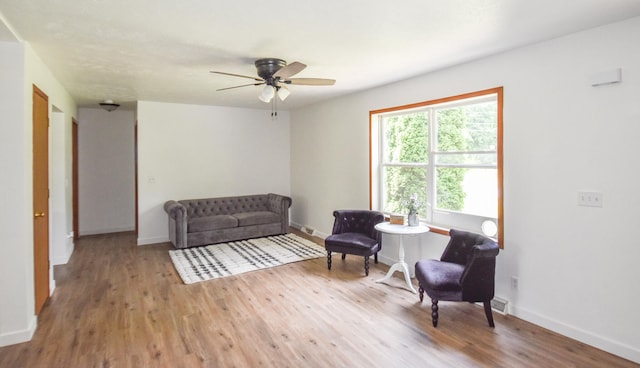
407, 140
450, 194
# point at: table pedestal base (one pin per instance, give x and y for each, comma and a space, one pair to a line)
404, 268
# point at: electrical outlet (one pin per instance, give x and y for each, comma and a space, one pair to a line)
590, 199
514, 283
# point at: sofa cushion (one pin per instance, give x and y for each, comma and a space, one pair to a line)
256, 218
208, 223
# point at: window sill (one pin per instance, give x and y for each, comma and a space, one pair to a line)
438, 229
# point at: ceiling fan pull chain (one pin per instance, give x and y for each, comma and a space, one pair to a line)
274, 109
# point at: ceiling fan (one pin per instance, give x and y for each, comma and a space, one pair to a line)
275, 74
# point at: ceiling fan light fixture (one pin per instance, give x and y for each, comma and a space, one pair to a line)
267, 94
274, 74
109, 105
283, 93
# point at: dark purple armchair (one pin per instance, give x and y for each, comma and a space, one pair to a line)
354, 233
465, 272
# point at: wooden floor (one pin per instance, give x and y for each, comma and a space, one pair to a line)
120, 305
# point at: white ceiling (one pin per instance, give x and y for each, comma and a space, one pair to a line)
160, 50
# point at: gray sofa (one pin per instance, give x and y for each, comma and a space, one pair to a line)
196, 222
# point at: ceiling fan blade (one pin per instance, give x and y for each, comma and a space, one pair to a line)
311, 81
289, 70
238, 75
244, 85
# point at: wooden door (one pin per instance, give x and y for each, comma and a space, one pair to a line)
40, 197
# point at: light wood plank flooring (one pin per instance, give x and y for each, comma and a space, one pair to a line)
120, 305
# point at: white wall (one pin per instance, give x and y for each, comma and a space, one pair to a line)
576, 265
20, 68
192, 151
16, 236
60, 181
106, 171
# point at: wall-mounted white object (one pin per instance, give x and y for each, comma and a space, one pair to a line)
590, 199
604, 77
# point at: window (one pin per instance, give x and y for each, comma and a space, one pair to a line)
447, 155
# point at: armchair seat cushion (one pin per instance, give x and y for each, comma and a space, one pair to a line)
441, 280
352, 243
256, 218
208, 223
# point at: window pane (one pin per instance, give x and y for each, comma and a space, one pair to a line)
400, 184
471, 191
406, 138
450, 193
468, 128
467, 159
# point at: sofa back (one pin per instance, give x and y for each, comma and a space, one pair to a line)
226, 205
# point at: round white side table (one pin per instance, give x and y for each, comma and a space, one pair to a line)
401, 265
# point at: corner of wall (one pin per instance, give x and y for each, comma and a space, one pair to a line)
17, 337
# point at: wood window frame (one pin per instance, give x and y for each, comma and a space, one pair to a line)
499, 92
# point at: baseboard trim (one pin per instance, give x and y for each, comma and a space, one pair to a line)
60, 260
389, 261
320, 235
64, 259
152, 240
21, 336
316, 233
106, 231
606, 344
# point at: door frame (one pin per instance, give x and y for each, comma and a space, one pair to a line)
74, 179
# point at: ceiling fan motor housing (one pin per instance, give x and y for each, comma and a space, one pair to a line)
267, 67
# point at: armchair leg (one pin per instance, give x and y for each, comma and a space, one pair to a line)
344, 255
375, 258
434, 312
329, 260
421, 293
489, 314
366, 265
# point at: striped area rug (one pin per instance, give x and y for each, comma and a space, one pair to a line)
233, 258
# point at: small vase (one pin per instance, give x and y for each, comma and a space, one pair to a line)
413, 219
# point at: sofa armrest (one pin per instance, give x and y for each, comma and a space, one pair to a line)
174, 209
177, 223
280, 204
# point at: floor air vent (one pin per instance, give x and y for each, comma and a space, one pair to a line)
308, 229
499, 305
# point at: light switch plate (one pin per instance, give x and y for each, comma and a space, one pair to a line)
590, 199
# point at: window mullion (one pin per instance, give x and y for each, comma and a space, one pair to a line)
381, 144
431, 190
